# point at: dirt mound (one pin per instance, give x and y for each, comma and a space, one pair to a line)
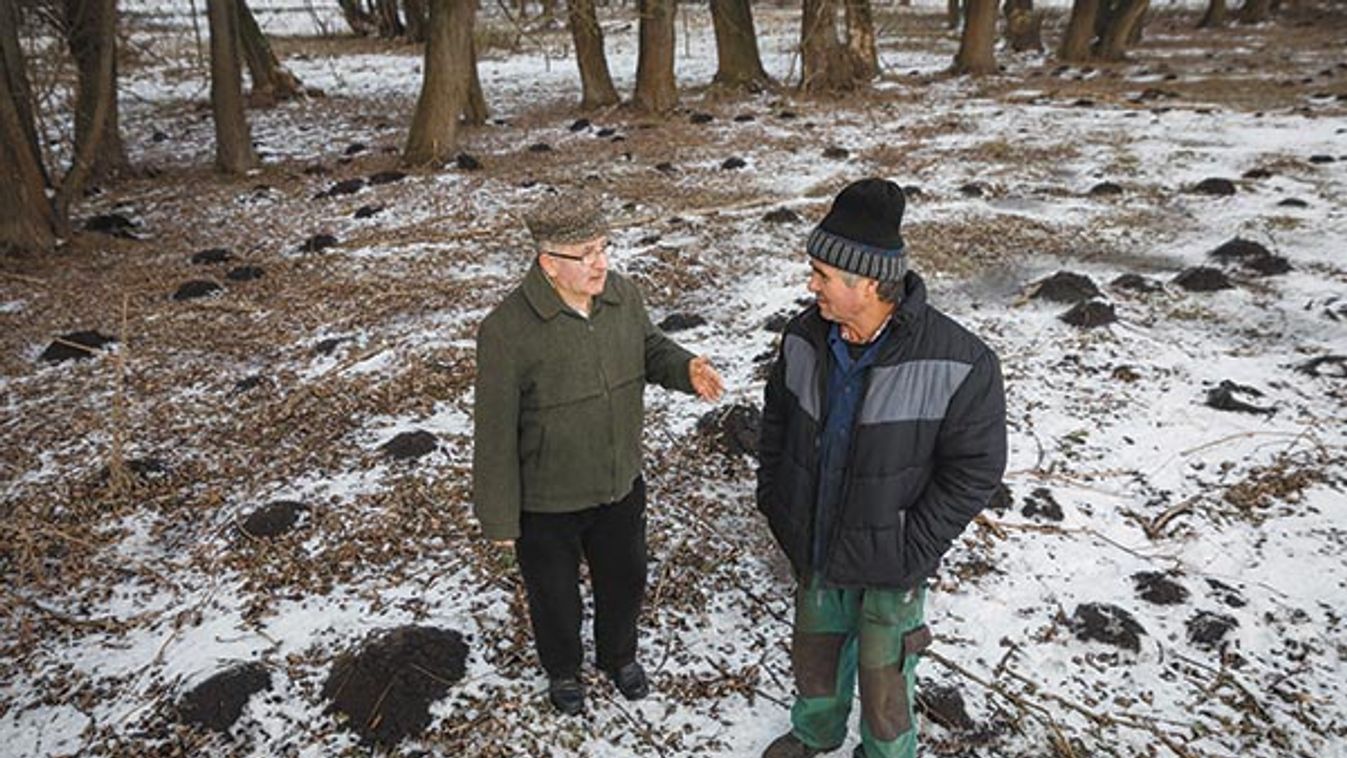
386, 687
1090, 314
274, 519
410, 445
1109, 624
1064, 287
1203, 279
75, 346
1206, 629
218, 702
1157, 587
733, 430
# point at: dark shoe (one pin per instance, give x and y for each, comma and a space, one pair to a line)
566, 695
631, 681
790, 746
859, 752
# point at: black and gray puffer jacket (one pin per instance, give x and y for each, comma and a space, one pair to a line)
927, 451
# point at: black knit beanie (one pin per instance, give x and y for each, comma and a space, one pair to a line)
860, 233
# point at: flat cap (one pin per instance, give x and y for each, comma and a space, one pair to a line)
567, 218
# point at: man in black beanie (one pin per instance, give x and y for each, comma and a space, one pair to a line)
883, 435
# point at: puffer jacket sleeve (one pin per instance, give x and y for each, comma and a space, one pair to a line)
771, 435
495, 454
970, 458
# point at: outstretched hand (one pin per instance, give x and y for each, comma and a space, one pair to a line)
705, 379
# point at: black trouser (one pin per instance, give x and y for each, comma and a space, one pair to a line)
612, 539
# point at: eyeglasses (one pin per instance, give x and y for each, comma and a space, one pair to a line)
589, 257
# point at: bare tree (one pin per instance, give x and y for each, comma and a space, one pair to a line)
84, 32
27, 218
976, 54
738, 63
656, 91
1254, 11
829, 66
861, 38
475, 112
444, 85
595, 81
1079, 31
233, 142
271, 80
1123, 26
418, 20
1217, 15
387, 20
359, 19
1024, 25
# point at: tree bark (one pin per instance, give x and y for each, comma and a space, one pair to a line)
656, 91
1217, 15
1024, 26
738, 63
1254, 11
100, 95
953, 14
595, 81
233, 142
387, 20
861, 38
1121, 29
976, 54
356, 17
828, 66
271, 81
1079, 31
417, 20
84, 27
27, 218
475, 112
444, 85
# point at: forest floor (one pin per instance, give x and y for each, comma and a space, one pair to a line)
1165, 575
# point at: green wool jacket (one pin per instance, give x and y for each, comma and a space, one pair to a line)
559, 408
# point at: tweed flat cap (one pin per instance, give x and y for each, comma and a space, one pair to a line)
567, 218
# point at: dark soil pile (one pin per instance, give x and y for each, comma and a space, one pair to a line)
386, 687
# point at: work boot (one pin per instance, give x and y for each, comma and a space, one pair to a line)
566, 695
631, 681
790, 746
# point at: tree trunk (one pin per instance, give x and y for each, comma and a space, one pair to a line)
655, 88
1122, 28
27, 220
271, 81
356, 17
84, 26
861, 38
101, 92
1217, 15
1079, 31
953, 14
595, 81
233, 142
444, 85
738, 63
475, 112
1254, 11
979, 35
386, 18
417, 20
828, 66
1024, 26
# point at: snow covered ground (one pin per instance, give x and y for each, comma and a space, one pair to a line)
1123, 482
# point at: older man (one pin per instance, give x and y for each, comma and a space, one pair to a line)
562, 365
883, 435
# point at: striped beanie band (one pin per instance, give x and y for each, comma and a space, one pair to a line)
861, 233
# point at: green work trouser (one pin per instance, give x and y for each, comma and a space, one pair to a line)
839, 633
